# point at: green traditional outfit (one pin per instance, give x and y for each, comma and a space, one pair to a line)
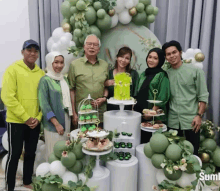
87, 78
153, 79
188, 88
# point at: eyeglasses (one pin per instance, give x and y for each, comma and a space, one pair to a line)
89, 44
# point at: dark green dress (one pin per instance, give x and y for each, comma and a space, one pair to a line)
133, 89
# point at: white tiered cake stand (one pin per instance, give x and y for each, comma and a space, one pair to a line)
101, 175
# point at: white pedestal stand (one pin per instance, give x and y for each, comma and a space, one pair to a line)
146, 171
123, 175
101, 175
124, 121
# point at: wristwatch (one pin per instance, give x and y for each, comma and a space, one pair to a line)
105, 97
200, 115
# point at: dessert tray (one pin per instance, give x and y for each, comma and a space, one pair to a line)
97, 141
151, 126
150, 112
154, 101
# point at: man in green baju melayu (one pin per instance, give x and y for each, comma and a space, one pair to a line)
189, 95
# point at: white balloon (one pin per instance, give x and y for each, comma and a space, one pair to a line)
186, 179
189, 53
68, 35
56, 167
72, 43
198, 65
160, 177
120, 5
193, 60
69, 176
57, 34
20, 167
135, 2
197, 51
129, 4
183, 55
5, 140
39, 158
64, 43
42, 151
43, 169
4, 160
55, 47
50, 44
124, 17
39, 143
114, 20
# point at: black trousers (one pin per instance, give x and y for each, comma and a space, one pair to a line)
17, 135
190, 136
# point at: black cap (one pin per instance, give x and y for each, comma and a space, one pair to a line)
29, 43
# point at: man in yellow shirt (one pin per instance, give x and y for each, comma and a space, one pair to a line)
19, 94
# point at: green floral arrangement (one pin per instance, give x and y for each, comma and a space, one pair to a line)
209, 152
174, 155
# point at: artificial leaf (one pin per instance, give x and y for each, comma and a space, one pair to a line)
72, 184
79, 183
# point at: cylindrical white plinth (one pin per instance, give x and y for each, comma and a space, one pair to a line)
103, 182
131, 123
123, 176
146, 171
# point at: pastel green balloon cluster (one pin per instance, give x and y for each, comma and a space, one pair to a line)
145, 13
93, 16
122, 86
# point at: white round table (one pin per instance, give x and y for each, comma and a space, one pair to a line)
123, 175
146, 171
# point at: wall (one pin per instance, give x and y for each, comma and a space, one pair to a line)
14, 30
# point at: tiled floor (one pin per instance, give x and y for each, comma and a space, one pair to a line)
19, 181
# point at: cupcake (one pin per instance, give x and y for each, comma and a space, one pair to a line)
87, 126
81, 118
94, 118
83, 108
88, 108
90, 128
88, 118
93, 127
83, 128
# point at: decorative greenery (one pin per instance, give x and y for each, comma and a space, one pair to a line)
149, 44
56, 180
167, 186
108, 157
76, 51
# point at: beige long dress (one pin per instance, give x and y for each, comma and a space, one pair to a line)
52, 137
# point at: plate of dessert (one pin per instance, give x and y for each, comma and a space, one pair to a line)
151, 112
150, 125
98, 141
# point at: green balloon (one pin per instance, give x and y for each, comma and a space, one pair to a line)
149, 9
145, 2
156, 10
97, 5
90, 15
76, 40
150, 18
105, 23
95, 30
140, 18
101, 13
82, 39
140, 7
77, 33
73, 10
72, 20
65, 9
73, 2
81, 5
